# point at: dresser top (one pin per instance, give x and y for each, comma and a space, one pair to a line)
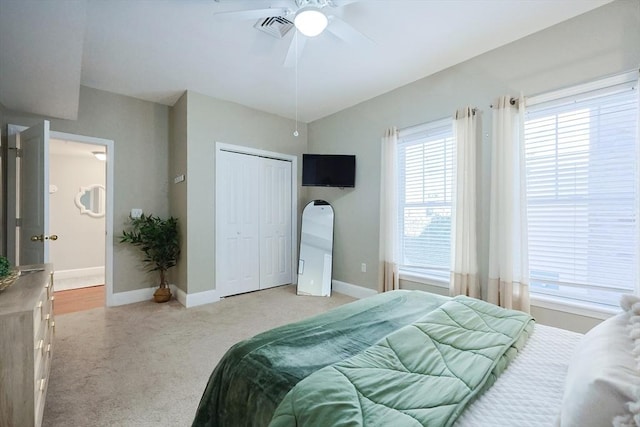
22, 295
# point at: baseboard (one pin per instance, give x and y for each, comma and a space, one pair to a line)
79, 272
196, 299
130, 297
354, 291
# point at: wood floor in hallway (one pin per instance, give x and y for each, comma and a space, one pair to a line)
72, 300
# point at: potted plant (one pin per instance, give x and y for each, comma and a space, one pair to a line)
8, 275
158, 240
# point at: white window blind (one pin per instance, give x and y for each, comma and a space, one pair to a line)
425, 176
582, 194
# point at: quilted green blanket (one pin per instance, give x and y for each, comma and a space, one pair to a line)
253, 377
424, 374
398, 358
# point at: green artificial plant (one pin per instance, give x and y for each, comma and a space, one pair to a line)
5, 267
159, 241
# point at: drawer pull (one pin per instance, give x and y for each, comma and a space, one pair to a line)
40, 345
49, 348
39, 305
53, 326
43, 382
52, 297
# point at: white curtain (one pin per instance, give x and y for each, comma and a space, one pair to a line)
508, 284
389, 212
464, 256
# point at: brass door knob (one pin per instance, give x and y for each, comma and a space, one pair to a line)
36, 238
52, 237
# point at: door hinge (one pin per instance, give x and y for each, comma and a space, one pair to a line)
18, 222
18, 152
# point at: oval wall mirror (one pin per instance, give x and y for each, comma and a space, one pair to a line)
90, 200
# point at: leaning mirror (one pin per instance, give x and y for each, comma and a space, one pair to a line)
316, 249
90, 200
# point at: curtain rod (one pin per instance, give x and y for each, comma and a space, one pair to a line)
472, 110
512, 101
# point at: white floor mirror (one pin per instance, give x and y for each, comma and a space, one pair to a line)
316, 249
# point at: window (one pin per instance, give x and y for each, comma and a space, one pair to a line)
582, 193
425, 176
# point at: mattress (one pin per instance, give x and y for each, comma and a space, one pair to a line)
529, 392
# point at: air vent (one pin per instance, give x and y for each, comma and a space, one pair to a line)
276, 26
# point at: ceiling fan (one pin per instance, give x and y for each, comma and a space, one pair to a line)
309, 17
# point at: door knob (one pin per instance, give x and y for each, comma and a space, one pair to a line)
52, 237
36, 238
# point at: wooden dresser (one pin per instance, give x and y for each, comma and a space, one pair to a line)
26, 339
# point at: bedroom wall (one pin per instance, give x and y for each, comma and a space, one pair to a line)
211, 120
596, 44
140, 133
178, 192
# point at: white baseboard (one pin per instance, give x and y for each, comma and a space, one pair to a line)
79, 272
194, 300
146, 294
354, 291
130, 297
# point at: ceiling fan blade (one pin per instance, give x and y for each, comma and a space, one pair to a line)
295, 50
240, 15
347, 33
340, 3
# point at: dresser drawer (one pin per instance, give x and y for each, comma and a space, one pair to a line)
26, 343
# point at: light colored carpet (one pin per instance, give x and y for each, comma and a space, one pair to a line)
147, 364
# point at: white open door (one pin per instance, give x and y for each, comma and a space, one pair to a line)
33, 235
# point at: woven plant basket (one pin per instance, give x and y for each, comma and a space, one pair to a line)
8, 280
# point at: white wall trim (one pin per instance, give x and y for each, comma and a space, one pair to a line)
130, 297
196, 299
354, 291
80, 272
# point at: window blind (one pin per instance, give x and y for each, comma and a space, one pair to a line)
425, 177
582, 195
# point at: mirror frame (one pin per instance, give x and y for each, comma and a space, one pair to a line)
83, 208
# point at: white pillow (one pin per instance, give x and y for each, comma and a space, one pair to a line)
602, 380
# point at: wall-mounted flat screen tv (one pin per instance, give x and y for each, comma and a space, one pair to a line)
328, 170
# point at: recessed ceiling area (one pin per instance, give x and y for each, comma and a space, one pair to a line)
155, 50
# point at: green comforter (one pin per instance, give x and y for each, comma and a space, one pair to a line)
253, 377
424, 374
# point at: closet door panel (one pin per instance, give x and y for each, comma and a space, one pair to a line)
238, 227
275, 223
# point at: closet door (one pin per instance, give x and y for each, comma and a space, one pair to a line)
275, 223
237, 223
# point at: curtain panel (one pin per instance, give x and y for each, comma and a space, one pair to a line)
508, 284
389, 213
464, 256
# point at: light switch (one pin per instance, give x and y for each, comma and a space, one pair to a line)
136, 213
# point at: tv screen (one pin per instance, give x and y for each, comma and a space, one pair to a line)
328, 170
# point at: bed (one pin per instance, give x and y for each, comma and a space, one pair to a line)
413, 358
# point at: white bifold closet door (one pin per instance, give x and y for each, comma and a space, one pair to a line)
253, 225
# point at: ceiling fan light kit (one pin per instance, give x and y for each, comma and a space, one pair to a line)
310, 21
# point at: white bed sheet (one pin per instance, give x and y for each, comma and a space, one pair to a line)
529, 392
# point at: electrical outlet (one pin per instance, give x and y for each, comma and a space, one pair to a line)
136, 213
363, 267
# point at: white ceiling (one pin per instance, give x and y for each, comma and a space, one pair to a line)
156, 49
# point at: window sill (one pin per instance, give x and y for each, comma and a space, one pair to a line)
423, 278
581, 309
